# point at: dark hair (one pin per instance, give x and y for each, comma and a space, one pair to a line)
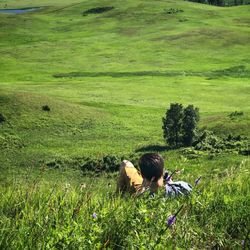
151, 165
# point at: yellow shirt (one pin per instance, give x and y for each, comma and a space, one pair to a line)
130, 180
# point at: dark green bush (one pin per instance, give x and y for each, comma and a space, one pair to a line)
208, 140
235, 114
46, 108
2, 118
55, 164
173, 11
108, 163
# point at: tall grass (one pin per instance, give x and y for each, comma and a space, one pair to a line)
87, 214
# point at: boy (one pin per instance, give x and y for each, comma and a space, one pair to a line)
151, 176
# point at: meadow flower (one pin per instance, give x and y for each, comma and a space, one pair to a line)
243, 243
94, 215
82, 186
168, 178
178, 171
171, 220
67, 186
197, 181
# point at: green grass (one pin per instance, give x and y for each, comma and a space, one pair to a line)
108, 79
39, 213
128, 65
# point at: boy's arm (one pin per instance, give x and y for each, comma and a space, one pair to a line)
121, 182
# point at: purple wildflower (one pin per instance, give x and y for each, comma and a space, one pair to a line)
171, 220
168, 178
94, 215
243, 243
197, 181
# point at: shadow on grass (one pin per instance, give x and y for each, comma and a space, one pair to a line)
115, 74
97, 10
153, 148
236, 71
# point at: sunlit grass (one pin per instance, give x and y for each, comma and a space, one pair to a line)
38, 213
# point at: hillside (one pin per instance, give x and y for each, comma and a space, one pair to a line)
109, 77
83, 82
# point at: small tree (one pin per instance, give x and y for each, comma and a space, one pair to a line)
189, 124
180, 125
172, 125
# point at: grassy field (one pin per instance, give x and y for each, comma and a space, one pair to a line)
108, 79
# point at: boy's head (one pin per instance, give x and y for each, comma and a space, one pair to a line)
151, 165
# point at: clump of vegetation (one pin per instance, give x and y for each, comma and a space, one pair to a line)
180, 130
180, 125
209, 143
10, 141
245, 151
173, 11
240, 71
2, 118
55, 164
235, 114
108, 163
98, 10
46, 108
222, 2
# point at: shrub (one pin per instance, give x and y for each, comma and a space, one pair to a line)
235, 114
55, 164
173, 11
2, 118
108, 163
208, 141
46, 108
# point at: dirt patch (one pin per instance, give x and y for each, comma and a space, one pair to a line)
242, 22
129, 31
200, 34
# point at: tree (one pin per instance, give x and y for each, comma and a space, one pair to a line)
172, 125
180, 125
189, 124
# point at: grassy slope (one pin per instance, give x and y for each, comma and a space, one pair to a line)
118, 113
37, 212
111, 113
